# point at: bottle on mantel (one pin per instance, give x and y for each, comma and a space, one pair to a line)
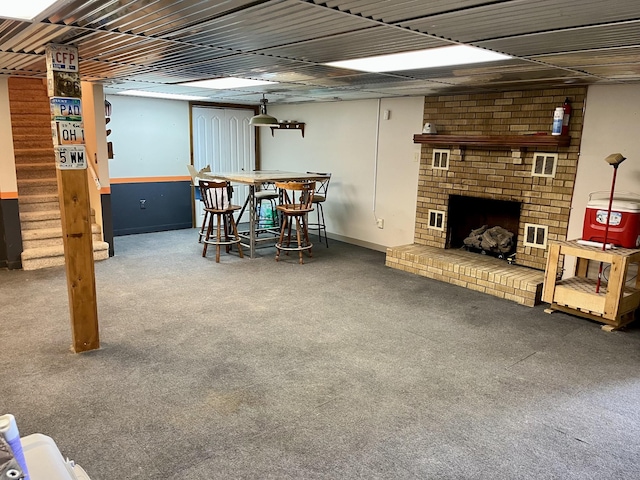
566, 109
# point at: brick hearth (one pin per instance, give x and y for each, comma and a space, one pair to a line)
466, 269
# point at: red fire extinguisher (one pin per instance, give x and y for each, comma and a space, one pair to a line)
566, 107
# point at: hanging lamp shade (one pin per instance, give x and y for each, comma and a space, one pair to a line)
263, 119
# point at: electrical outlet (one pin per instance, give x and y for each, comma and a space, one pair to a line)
380, 222
416, 157
143, 204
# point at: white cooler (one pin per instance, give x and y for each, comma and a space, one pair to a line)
45, 462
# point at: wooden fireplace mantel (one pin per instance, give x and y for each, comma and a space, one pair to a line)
516, 143
486, 141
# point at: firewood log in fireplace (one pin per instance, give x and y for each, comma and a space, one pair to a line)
495, 239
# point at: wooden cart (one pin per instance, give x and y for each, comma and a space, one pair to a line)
616, 302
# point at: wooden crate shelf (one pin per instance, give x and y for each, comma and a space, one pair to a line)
615, 303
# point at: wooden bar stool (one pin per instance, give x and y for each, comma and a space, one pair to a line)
215, 196
297, 202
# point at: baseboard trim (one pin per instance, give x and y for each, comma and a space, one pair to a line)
359, 243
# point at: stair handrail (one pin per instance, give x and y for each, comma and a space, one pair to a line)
95, 176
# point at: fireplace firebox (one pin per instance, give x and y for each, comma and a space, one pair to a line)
468, 214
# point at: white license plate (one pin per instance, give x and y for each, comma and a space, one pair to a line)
67, 133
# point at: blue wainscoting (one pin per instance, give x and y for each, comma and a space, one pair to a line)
167, 206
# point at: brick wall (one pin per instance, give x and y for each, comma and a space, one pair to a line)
494, 173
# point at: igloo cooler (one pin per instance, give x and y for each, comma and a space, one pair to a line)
624, 227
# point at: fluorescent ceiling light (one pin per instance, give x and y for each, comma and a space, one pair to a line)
431, 58
24, 10
226, 83
168, 96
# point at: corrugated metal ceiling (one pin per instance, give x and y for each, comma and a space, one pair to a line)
155, 44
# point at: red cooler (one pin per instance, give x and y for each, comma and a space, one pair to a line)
624, 227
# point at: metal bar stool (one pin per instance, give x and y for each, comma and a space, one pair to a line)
268, 192
319, 196
297, 202
215, 196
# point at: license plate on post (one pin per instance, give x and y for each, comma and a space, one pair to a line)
71, 157
67, 133
66, 108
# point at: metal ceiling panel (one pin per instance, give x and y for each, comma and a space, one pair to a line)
391, 12
152, 18
584, 38
514, 18
610, 56
155, 44
269, 25
22, 61
345, 46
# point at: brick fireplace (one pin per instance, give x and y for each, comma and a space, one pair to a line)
537, 179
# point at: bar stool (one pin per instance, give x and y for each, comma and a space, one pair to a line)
215, 196
319, 196
297, 202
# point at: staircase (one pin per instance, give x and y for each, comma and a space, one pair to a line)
36, 174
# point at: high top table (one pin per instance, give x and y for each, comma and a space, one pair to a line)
253, 179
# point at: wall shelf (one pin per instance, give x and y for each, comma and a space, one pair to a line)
288, 126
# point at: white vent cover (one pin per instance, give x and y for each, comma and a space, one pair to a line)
440, 159
544, 164
535, 235
436, 219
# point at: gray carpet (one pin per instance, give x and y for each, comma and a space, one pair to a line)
340, 368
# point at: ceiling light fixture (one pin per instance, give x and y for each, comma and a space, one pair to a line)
167, 96
226, 83
24, 10
263, 119
430, 58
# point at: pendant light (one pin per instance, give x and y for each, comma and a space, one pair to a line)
263, 119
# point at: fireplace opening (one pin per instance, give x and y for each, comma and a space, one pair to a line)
468, 215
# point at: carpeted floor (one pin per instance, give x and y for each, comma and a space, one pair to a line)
337, 369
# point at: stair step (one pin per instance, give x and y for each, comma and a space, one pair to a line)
16, 83
50, 239
30, 186
34, 155
39, 120
27, 108
36, 170
35, 128
36, 258
32, 141
39, 215
32, 203
43, 233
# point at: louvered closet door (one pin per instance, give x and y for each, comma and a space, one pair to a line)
223, 139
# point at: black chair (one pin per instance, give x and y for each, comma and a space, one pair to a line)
319, 196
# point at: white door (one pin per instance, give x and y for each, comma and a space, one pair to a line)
224, 140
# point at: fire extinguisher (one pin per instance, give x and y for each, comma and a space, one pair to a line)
566, 108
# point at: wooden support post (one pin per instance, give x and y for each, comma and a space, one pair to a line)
75, 213
63, 85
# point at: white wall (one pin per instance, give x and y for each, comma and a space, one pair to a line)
611, 125
150, 137
373, 164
